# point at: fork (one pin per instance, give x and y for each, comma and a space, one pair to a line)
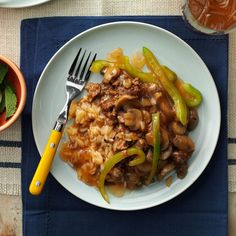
78, 75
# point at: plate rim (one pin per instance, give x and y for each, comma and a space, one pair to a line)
217, 104
28, 3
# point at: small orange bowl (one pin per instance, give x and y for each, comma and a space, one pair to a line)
17, 80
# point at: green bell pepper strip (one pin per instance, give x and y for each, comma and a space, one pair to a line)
156, 144
98, 65
194, 93
111, 162
170, 74
154, 65
191, 95
134, 72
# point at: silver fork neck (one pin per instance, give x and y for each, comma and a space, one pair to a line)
62, 118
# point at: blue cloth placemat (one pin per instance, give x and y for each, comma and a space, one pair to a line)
201, 210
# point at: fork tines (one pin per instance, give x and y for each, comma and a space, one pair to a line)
80, 65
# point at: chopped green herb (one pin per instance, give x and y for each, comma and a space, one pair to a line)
2, 103
8, 83
0, 95
11, 101
3, 72
8, 98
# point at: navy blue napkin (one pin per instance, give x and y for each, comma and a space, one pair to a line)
200, 210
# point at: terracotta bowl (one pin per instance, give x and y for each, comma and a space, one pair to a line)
16, 78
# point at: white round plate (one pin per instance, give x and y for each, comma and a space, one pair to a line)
21, 3
50, 96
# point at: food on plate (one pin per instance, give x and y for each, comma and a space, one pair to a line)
8, 100
132, 129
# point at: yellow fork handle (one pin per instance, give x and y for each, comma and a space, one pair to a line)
45, 163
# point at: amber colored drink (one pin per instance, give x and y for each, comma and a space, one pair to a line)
211, 16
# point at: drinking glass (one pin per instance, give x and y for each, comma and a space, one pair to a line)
210, 16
